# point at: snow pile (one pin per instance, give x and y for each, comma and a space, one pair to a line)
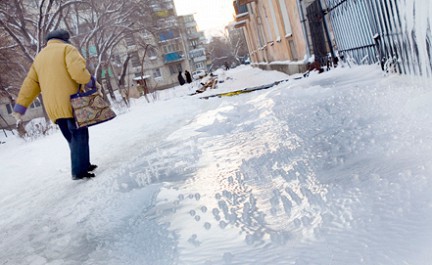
331, 169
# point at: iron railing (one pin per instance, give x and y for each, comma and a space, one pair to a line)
372, 31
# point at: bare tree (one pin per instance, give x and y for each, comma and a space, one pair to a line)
27, 24
106, 26
97, 27
237, 43
11, 60
229, 48
121, 82
219, 51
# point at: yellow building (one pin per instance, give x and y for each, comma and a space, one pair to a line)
274, 34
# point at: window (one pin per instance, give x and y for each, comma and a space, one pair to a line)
35, 104
168, 35
273, 14
135, 59
173, 69
9, 108
197, 53
285, 17
268, 31
157, 73
152, 54
261, 41
173, 47
130, 41
199, 66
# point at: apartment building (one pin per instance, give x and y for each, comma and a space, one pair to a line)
156, 58
6, 107
194, 43
175, 45
274, 33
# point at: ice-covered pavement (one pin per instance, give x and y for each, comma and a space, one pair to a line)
331, 169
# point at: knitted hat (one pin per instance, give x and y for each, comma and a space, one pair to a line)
59, 34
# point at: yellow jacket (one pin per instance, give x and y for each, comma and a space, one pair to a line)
56, 72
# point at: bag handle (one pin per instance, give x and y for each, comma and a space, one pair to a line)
93, 82
83, 89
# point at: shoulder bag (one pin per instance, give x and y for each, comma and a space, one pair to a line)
90, 108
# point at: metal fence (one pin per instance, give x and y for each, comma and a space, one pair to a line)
372, 31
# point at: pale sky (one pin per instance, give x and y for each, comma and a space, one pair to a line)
211, 15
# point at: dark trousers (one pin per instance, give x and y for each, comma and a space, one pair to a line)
78, 140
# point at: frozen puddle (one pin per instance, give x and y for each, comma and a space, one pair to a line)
302, 184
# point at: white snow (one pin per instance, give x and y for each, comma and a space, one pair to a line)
330, 169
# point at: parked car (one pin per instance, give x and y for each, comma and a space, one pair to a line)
198, 74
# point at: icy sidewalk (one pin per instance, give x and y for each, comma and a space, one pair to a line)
332, 169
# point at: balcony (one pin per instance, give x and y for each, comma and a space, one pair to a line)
241, 11
244, 2
240, 24
199, 59
191, 24
173, 57
193, 35
168, 35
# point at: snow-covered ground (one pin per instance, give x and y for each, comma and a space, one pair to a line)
335, 168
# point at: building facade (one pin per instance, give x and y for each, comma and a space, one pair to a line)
156, 58
175, 45
7, 121
194, 43
395, 34
274, 33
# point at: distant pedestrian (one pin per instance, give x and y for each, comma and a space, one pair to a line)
56, 72
188, 76
181, 79
335, 61
226, 66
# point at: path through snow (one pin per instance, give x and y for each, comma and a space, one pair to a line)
332, 169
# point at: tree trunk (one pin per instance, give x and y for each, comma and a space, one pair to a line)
99, 77
121, 83
109, 86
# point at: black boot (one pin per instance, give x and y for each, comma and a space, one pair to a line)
92, 168
87, 175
